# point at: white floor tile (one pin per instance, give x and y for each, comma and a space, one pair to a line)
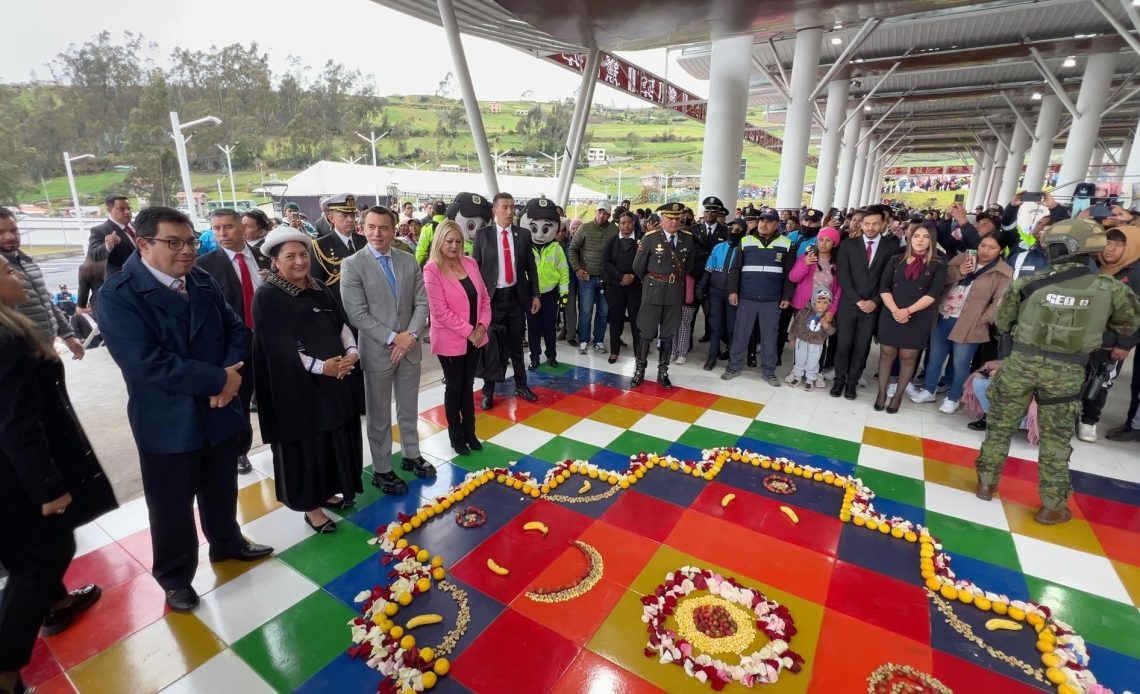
438, 446
660, 427
126, 520
593, 433
959, 504
891, 461
280, 529
905, 421
89, 538
225, 672
263, 462
1070, 567
250, 478
788, 409
252, 599
722, 421
522, 438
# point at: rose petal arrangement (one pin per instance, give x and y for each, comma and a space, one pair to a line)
382, 643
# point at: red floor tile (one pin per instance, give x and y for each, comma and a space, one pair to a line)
783, 565
964, 676
513, 408
592, 674
579, 406
652, 389
642, 514
524, 553
850, 650
547, 397
435, 415
880, 600
575, 620
42, 667
107, 566
1108, 512
949, 453
1118, 544
636, 400
598, 392
693, 397
1020, 468
815, 531
138, 545
528, 656
59, 684
123, 610
625, 553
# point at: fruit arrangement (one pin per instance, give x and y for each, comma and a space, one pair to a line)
714, 621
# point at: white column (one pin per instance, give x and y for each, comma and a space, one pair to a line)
1001, 153
855, 198
987, 171
1122, 160
463, 74
1042, 149
830, 144
847, 160
1082, 136
797, 129
729, 74
1132, 169
1017, 146
870, 187
578, 126
975, 179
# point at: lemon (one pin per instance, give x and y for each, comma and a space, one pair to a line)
406, 527
404, 599
429, 679
401, 544
545, 489
1050, 659
416, 521
872, 524
982, 603
624, 483
1017, 613
441, 667
534, 492
593, 473
1044, 646
438, 573
1000, 608
396, 632
897, 532
1055, 675
427, 654
949, 592
933, 583
965, 597
436, 562
910, 536
408, 642
391, 609
859, 521
423, 555
423, 585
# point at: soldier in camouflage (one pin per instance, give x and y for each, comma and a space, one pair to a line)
1053, 320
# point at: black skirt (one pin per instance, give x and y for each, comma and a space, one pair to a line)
313, 469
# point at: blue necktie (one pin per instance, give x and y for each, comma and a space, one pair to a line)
386, 263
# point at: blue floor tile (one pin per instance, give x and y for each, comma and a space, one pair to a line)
1019, 644
1118, 672
683, 452
443, 536
890, 508
446, 477
991, 577
1106, 487
383, 511
816, 496
344, 674
774, 450
674, 487
879, 552
533, 465
609, 460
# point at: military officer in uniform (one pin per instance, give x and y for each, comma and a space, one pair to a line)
663, 260
1048, 325
330, 250
708, 233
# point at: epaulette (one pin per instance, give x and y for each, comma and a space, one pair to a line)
650, 233
685, 231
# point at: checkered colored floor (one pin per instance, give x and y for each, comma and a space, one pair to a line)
856, 597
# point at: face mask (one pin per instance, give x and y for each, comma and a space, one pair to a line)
734, 238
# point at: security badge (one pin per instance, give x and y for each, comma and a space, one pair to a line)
476, 199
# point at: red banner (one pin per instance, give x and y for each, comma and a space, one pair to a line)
957, 170
898, 171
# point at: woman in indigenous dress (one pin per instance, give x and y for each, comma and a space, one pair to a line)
310, 394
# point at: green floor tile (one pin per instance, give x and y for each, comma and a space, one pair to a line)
558, 449
492, 455
559, 370
894, 487
1097, 619
632, 442
321, 558
290, 648
808, 442
372, 493
974, 540
701, 438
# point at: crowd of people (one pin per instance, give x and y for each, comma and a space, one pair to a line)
261, 315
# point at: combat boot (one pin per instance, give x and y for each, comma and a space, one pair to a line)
641, 360
663, 364
1049, 516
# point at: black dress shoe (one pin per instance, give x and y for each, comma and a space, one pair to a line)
344, 503
837, 388
526, 394
182, 599
244, 466
552, 363
723, 355
533, 364
250, 552
488, 401
461, 448
324, 528
79, 601
752, 360
978, 425
389, 483
419, 467
474, 444
704, 338
849, 391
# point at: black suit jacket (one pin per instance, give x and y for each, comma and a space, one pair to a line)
334, 249
487, 249
117, 256
859, 281
217, 262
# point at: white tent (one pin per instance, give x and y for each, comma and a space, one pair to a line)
330, 177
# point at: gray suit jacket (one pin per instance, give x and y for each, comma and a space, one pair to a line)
371, 308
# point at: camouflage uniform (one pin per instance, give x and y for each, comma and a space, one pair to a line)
1025, 376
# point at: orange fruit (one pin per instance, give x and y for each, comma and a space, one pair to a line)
441, 667
404, 599
933, 583
430, 679
1000, 607
1055, 675
427, 655
438, 573
408, 642
965, 597
1017, 614
982, 603
949, 592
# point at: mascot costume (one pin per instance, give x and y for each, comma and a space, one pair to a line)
541, 218
471, 212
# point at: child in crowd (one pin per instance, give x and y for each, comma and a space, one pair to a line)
809, 331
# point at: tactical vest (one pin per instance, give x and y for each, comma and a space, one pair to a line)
1066, 318
762, 269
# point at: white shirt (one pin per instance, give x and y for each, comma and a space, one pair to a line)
347, 241
874, 243
249, 263
163, 278
502, 281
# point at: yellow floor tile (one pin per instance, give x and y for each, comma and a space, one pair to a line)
618, 416
488, 425
256, 500
210, 575
903, 443
150, 659
1130, 577
955, 476
737, 407
679, 411
1075, 534
552, 421
423, 427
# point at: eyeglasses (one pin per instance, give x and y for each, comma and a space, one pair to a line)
178, 244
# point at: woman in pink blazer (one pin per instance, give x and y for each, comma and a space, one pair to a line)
460, 311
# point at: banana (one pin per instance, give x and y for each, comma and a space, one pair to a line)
423, 620
790, 514
995, 624
496, 568
585, 487
726, 500
537, 525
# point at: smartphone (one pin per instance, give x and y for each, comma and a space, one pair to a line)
1100, 211
1032, 197
960, 197
972, 253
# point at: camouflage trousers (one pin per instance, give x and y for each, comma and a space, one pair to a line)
1021, 379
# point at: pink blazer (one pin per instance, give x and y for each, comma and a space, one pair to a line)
449, 310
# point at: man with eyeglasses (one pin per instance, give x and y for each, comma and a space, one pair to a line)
180, 347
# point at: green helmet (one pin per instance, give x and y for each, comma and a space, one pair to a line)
1075, 235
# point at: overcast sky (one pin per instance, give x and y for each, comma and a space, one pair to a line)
406, 55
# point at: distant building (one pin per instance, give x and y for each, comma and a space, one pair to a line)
596, 155
656, 180
451, 167
494, 107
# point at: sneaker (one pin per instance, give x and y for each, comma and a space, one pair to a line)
599, 348
891, 389
772, 381
820, 382
923, 396
679, 360
729, 374
1123, 432
829, 375
582, 347
911, 391
1086, 432
808, 385
791, 380
949, 406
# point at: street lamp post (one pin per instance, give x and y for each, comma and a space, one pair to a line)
554, 158
619, 171
230, 167
67, 159
373, 140
176, 129
221, 198
276, 189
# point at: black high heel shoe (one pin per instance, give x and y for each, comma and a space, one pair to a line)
329, 526
879, 402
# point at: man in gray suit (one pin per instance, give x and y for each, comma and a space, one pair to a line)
384, 297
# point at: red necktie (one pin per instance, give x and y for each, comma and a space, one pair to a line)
131, 233
508, 271
870, 250
246, 289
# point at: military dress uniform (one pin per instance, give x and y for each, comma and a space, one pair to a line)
330, 250
1053, 326
661, 264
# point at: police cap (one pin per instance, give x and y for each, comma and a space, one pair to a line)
541, 208
813, 215
469, 205
674, 210
713, 204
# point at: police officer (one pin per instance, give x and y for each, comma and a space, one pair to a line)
708, 233
662, 261
713, 287
330, 250
1048, 325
